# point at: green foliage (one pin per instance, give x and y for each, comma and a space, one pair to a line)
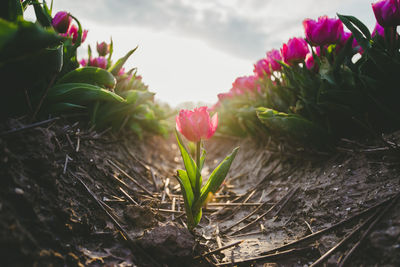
40, 70
340, 97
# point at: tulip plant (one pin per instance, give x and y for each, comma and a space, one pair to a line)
196, 126
334, 83
39, 65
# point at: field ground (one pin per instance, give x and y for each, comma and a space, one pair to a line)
75, 197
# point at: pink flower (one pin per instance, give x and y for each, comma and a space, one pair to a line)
310, 63
100, 62
272, 57
196, 125
387, 12
73, 33
244, 84
83, 62
294, 51
262, 68
61, 21
325, 31
121, 72
378, 30
224, 96
103, 48
343, 41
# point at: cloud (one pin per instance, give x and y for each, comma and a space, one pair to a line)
245, 29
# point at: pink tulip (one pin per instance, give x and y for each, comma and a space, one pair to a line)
196, 125
121, 72
224, 96
245, 84
73, 33
83, 62
387, 12
343, 41
294, 51
324, 31
272, 57
310, 63
61, 21
378, 30
262, 68
100, 62
103, 48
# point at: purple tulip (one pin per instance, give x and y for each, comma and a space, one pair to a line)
387, 12
103, 49
100, 62
272, 57
294, 51
61, 21
83, 62
324, 31
262, 68
310, 62
378, 30
73, 33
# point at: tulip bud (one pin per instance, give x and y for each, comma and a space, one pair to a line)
61, 21
103, 49
83, 62
294, 51
262, 68
196, 125
272, 57
387, 12
100, 62
310, 62
325, 31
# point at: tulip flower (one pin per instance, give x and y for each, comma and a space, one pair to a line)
294, 51
324, 31
244, 84
310, 62
224, 96
262, 68
73, 33
100, 62
378, 30
196, 126
273, 57
103, 48
61, 21
387, 12
83, 62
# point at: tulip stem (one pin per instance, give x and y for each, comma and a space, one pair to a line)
197, 189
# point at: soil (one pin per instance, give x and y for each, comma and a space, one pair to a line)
70, 196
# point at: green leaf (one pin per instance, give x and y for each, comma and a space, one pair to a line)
189, 163
90, 75
188, 197
80, 93
10, 9
114, 69
41, 12
359, 32
62, 107
215, 180
24, 38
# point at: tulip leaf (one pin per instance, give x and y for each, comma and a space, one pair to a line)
10, 9
90, 75
188, 196
114, 69
349, 22
80, 93
215, 180
189, 163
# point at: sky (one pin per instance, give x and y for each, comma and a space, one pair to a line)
191, 50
